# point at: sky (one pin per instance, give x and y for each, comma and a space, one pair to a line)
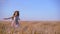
31, 9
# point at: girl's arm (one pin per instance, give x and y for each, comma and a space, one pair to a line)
8, 18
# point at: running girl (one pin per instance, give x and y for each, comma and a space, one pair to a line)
15, 19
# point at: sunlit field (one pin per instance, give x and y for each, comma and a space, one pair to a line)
31, 27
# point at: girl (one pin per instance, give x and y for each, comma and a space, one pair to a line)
15, 19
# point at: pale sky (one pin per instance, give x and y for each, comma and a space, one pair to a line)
31, 9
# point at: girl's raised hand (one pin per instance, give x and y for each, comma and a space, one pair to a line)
6, 18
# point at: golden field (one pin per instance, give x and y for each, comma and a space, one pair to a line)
31, 27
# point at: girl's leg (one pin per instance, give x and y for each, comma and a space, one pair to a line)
12, 24
17, 24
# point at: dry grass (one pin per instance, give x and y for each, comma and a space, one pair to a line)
31, 27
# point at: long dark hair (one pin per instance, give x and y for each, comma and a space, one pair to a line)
16, 15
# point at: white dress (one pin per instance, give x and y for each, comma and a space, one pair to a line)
15, 20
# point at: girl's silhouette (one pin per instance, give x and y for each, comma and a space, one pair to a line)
15, 19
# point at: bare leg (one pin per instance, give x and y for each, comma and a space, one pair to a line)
12, 24
17, 24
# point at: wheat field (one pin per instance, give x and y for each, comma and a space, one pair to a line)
31, 27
